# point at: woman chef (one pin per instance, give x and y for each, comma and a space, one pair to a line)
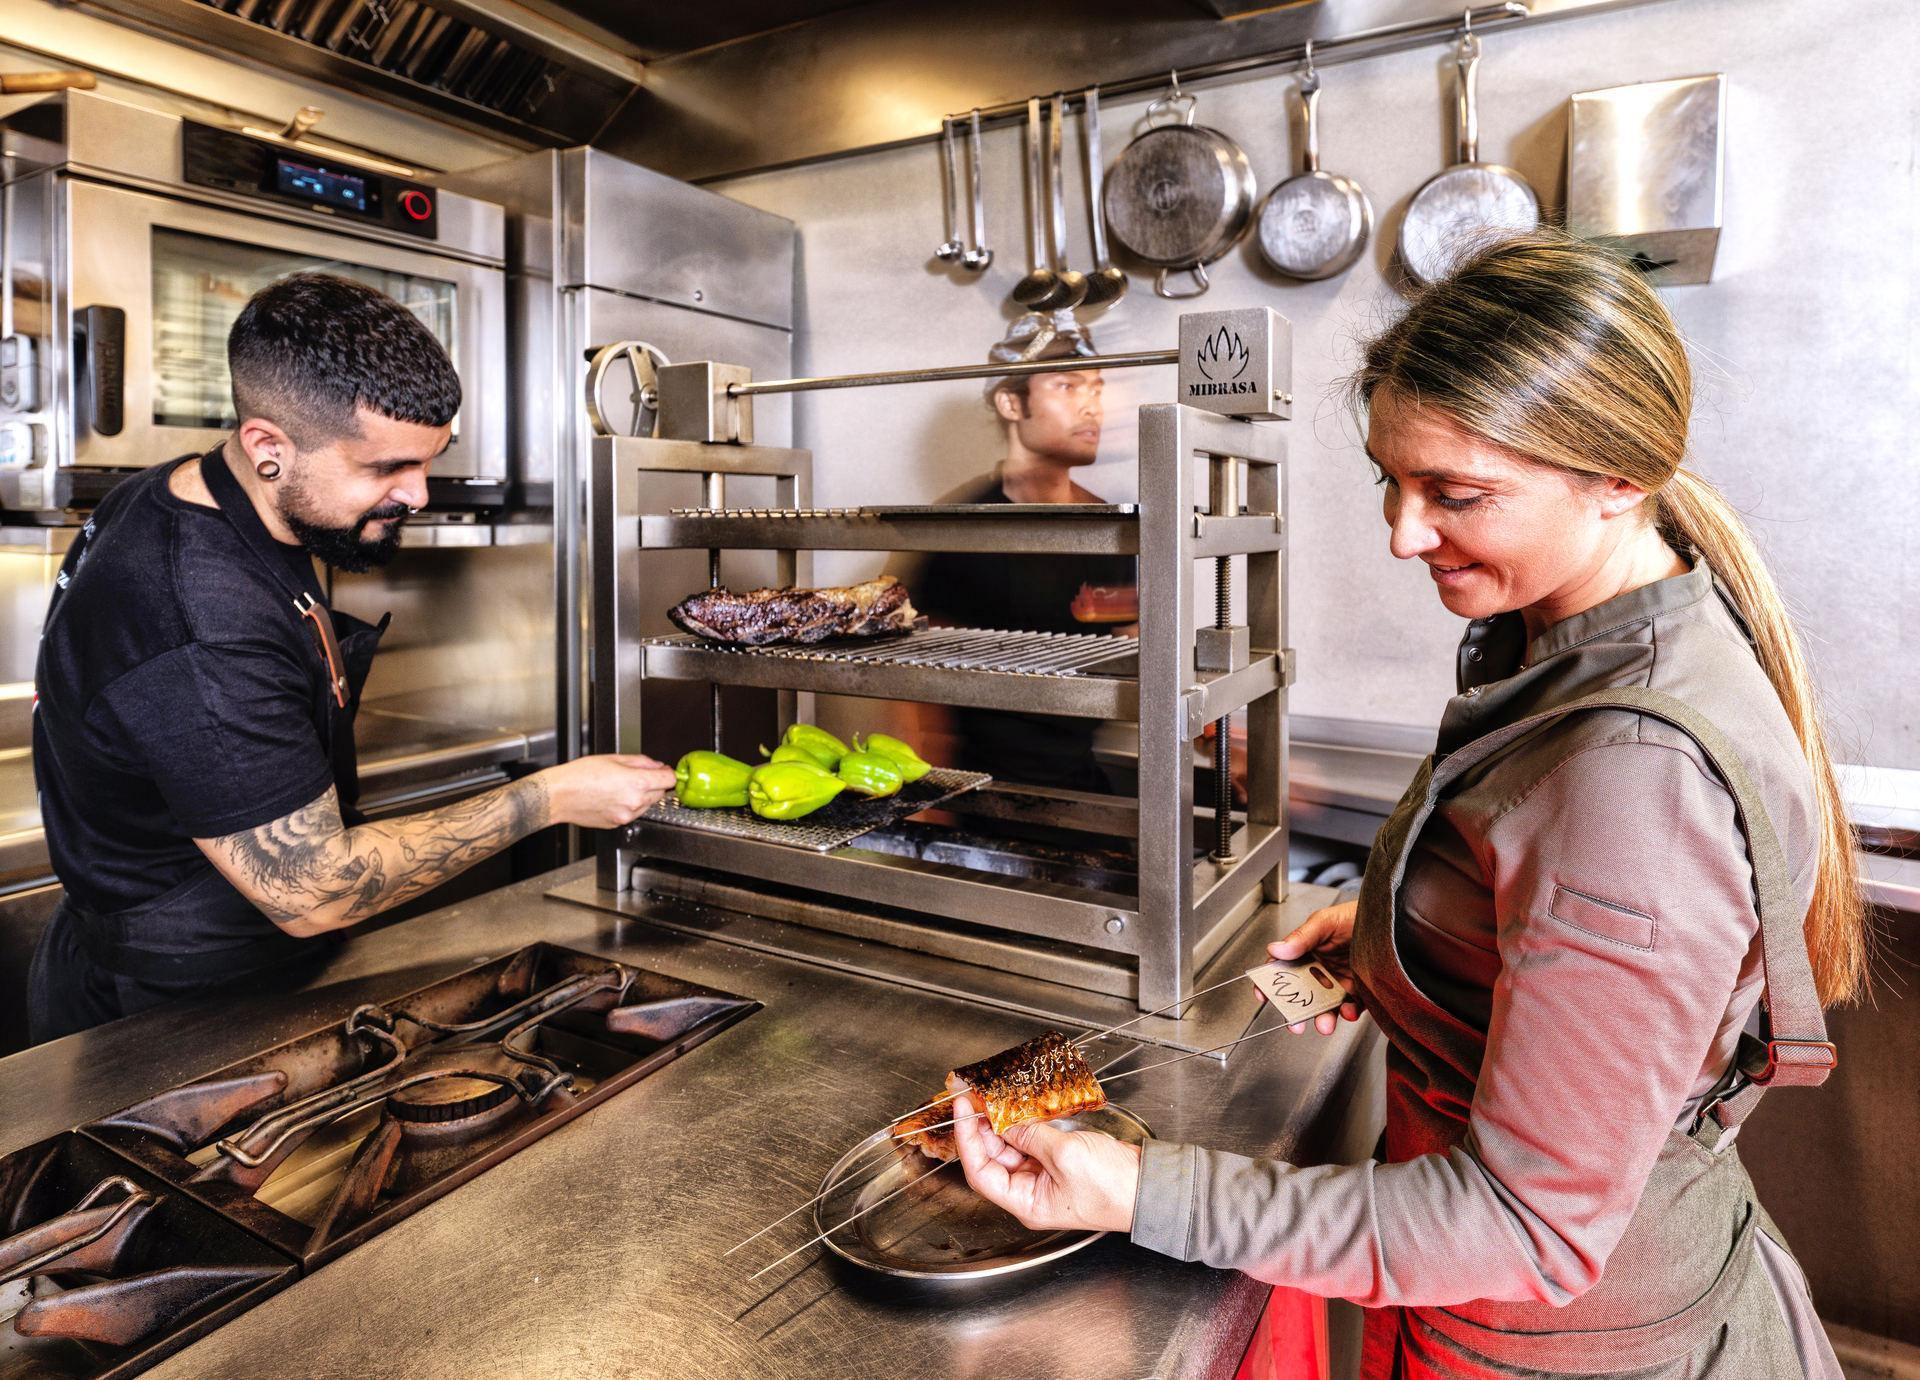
1561, 930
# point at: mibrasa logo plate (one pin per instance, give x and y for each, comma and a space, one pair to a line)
1238, 363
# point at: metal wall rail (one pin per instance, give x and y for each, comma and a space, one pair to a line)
1394, 38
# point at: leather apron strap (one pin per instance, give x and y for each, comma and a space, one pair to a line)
240, 512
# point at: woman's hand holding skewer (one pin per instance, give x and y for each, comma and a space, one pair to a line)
1328, 935
1051, 1180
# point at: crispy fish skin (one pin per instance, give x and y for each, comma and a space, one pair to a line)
1041, 1080
766, 616
934, 1144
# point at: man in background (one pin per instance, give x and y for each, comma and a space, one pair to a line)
1052, 424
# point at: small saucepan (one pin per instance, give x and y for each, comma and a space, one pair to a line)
1315, 224
1181, 195
1467, 201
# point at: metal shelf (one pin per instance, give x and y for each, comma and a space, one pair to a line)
995, 528
1040, 673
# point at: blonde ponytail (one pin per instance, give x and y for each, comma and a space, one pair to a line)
1557, 350
1693, 513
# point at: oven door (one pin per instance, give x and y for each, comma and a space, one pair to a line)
181, 273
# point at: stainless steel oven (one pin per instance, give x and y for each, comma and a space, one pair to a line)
133, 238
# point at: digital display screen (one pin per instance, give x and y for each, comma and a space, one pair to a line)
322, 185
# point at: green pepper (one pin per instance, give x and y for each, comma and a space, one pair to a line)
710, 780
870, 774
817, 743
912, 768
783, 753
788, 790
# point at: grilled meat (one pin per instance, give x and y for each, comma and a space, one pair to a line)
796, 615
1038, 1081
935, 1144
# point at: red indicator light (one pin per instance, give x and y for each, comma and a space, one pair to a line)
416, 204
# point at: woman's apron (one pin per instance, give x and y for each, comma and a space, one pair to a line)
1686, 1265
203, 931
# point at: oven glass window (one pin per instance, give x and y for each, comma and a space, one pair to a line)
199, 286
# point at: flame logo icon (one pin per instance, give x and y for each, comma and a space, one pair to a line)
1223, 356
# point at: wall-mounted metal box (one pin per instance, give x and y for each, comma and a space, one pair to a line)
1645, 165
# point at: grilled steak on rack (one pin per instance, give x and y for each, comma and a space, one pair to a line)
796, 615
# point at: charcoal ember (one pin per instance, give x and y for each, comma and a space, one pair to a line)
766, 616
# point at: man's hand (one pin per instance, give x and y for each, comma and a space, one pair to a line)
605, 792
1328, 935
1051, 1180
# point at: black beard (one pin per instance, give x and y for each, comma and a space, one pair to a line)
344, 548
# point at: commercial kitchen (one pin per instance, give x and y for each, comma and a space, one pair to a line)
749, 298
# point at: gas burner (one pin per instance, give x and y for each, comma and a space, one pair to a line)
323, 1142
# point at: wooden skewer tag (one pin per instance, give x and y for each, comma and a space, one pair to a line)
1299, 988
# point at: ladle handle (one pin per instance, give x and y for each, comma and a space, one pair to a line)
1096, 173
1056, 149
951, 174
1310, 102
1035, 224
1468, 60
973, 168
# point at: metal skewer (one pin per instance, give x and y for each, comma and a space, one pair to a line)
1098, 1034
1128, 1073
855, 1218
938, 1125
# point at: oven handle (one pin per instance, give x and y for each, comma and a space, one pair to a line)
101, 337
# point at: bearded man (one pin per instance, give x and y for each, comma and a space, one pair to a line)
193, 728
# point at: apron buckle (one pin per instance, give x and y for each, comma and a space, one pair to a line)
1775, 1062
312, 610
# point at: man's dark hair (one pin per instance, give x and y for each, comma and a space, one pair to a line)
309, 350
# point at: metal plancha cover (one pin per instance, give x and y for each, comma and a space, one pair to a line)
325, 1141
1644, 172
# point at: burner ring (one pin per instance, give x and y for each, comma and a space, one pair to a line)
449, 1097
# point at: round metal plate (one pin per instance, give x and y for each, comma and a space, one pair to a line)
1315, 225
939, 1228
1179, 195
1458, 206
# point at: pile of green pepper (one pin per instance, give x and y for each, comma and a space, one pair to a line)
809, 768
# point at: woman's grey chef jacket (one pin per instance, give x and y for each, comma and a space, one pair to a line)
1581, 909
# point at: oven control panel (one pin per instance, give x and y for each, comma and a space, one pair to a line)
231, 162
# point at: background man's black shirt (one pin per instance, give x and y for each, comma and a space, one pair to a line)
1025, 594
179, 696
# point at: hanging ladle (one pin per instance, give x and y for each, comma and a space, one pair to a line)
1072, 286
1040, 282
952, 247
979, 256
1106, 283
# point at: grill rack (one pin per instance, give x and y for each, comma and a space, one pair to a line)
949, 649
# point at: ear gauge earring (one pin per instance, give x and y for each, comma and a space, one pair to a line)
267, 469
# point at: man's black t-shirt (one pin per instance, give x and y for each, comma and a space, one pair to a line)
180, 695
1026, 594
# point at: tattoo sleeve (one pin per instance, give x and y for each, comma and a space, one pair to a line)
308, 872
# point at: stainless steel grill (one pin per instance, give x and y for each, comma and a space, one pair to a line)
951, 649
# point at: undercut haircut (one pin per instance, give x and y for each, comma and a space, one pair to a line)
309, 351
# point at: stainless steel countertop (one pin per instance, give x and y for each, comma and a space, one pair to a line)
598, 1250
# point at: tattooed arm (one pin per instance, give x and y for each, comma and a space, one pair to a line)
308, 873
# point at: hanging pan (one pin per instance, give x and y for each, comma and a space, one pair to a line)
1180, 195
1467, 201
1315, 224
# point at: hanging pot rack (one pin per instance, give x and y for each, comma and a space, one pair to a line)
1394, 38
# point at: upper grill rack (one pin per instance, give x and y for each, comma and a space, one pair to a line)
951, 649
1084, 674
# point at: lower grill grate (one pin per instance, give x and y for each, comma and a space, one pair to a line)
954, 649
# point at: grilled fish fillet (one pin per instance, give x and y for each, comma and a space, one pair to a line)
767, 616
937, 1144
1038, 1081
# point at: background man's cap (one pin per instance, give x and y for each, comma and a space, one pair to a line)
1044, 335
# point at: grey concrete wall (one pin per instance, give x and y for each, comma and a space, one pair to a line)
1803, 339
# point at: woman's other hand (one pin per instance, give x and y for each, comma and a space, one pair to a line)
1327, 935
1052, 1180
